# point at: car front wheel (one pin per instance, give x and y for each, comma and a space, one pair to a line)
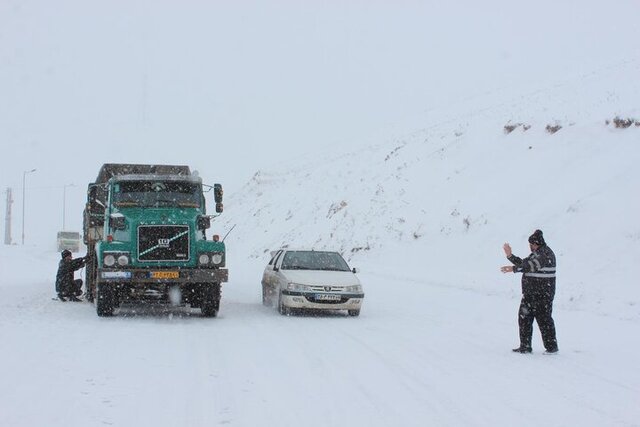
266, 298
283, 309
354, 313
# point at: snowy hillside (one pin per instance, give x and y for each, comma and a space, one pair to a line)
415, 137
424, 217
438, 203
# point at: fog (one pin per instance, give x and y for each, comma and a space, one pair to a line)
231, 88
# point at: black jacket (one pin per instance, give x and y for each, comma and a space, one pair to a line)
539, 271
64, 277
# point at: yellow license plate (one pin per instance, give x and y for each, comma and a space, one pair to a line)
165, 274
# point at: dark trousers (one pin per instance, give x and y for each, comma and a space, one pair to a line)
71, 289
538, 307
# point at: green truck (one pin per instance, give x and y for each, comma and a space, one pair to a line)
145, 231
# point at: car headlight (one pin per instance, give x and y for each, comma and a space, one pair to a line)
123, 260
354, 288
109, 260
298, 287
203, 259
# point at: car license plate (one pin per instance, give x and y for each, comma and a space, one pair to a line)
165, 274
327, 297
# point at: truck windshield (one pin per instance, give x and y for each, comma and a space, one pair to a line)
156, 194
314, 260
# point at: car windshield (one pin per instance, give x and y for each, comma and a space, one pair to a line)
156, 194
314, 260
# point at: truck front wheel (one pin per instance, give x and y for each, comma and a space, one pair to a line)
90, 275
106, 300
210, 299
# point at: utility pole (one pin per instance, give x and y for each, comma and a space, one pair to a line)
24, 178
7, 219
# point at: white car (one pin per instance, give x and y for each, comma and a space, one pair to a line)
311, 280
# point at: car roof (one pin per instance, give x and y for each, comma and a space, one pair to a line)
303, 250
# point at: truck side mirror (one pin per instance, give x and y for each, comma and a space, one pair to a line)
204, 223
91, 193
94, 209
117, 222
217, 195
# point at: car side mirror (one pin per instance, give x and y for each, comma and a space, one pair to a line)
355, 270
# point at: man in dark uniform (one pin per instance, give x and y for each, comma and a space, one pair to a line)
538, 290
66, 286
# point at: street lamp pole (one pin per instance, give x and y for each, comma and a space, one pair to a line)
24, 177
64, 205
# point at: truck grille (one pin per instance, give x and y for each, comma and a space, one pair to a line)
163, 243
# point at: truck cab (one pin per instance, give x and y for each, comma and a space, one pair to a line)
153, 244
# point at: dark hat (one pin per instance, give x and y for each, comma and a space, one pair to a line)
65, 253
536, 238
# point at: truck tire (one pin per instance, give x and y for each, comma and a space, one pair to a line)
193, 296
90, 272
210, 299
105, 300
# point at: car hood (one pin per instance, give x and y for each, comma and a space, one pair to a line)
320, 277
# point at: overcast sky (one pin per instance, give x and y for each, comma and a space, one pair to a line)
232, 87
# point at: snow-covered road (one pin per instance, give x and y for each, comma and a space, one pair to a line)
419, 354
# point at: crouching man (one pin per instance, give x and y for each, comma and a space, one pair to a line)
66, 286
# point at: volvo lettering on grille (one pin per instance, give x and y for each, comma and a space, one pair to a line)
163, 242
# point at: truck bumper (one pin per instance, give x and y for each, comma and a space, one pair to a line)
157, 276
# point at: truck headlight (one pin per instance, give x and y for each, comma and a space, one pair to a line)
109, 260
216, 259
203, 259
123, 260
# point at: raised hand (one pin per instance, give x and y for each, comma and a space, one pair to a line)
507, 250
